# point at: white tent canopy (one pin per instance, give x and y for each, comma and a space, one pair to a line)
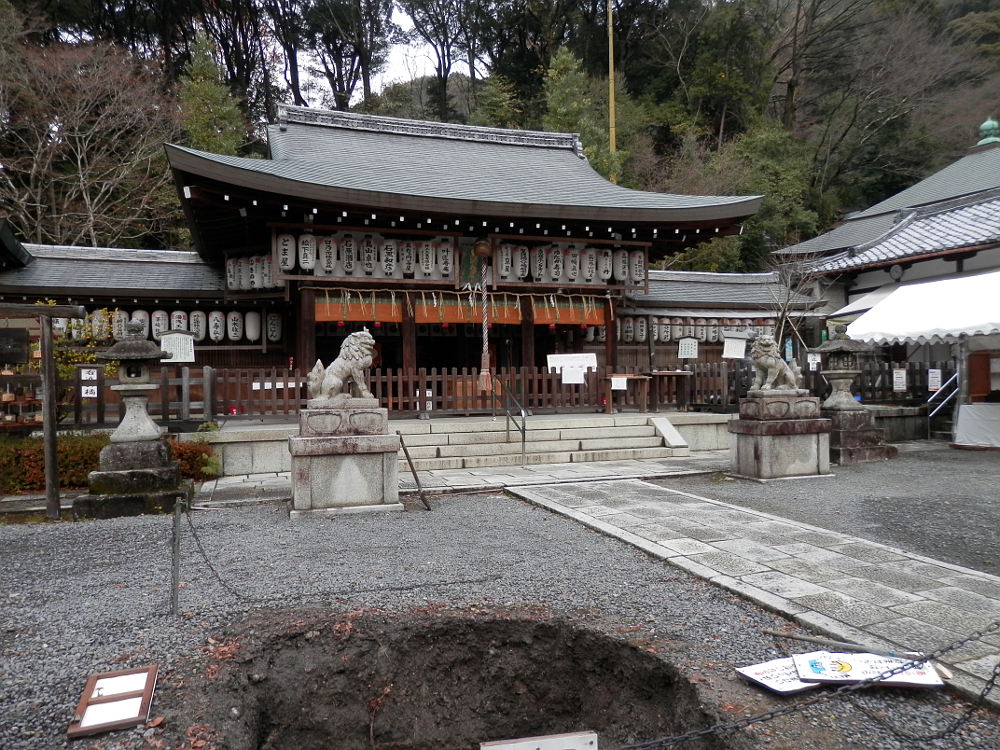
934, 312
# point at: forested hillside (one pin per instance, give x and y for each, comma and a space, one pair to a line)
824, 106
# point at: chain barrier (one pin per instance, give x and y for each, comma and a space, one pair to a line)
343, 592
845, 691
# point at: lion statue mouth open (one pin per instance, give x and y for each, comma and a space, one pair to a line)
772, 372
330, 387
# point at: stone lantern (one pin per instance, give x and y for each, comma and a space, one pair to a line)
853, 435
135, 355
136, 473
841, 354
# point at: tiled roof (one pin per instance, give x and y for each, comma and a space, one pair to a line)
385, 162
61, 270
757, 291
950, 226
976, 173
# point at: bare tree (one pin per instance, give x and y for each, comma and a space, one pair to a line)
81, 145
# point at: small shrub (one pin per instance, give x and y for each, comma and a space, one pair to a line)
22, 461
197, 459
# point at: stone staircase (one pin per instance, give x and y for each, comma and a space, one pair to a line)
457, 444
258, 447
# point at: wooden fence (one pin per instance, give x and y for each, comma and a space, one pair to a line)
192, 395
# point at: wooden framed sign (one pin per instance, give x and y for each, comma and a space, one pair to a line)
114, 700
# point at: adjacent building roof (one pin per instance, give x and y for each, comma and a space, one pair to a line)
945, 227
974, 177
445, 170
717, 294
76, 271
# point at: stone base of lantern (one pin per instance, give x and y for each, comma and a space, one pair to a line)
854, 439
343, 461
134, 479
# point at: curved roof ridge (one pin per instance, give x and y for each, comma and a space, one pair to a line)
288, 114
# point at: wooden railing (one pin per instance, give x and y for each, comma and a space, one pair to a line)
191, 395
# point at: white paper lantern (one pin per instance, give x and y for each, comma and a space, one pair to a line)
689, 327
326, 253
446, 257
178, 320
348, 253
60, 326
637, 265
713, 330
284, 247
504, 260
602, 333
588, 263
556, 262
159, 323
618, 329
198, 323
307, 252
537, 263
628, 330
572, 262
273, 326
522, 261
266, 272
234, 325
425, 257
369, 255
408, 257
143, 317
591, 333
243, 273
251, 322
100, 326
119, 320
640, 328
606, 264
232, 274
654, 330
390, 257
701, 329
621, 265
665, 330
676, 329
769, 326
256, 271
216, 325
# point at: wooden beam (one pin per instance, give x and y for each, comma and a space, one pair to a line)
25, 310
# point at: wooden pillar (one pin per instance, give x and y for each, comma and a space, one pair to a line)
305, 339
610, 333
650, 322
409, 332
527, 332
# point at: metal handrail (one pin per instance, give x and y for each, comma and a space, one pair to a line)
944, 401
941, 389
523, 427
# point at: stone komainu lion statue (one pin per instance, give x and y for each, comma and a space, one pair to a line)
773, 373
355, 357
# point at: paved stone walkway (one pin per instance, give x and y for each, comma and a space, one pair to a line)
845, 588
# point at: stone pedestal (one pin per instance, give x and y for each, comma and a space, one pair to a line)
855, 439
344, 461
779, 434
120, 489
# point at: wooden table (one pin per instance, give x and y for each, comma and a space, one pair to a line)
681, 386
642, 380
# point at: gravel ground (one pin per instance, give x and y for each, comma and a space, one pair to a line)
87, 597
932, 500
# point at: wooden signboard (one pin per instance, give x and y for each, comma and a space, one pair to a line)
114, 700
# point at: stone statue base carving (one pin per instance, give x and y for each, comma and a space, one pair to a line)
344, 461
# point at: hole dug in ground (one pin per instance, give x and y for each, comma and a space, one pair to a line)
441, 681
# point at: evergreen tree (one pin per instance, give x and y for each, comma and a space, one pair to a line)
210, 117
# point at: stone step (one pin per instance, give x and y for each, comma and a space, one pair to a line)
623, 454
611, 443
558, 457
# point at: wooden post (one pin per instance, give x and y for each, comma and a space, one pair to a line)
305, 344
52, 508
408, 329
610, 335
527, 333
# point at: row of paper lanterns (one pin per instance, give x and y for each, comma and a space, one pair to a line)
709, 330
216, 326
345, 255
569, 262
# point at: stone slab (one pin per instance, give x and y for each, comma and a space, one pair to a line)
145, 454
342, 445
344, 480
351, 420
763, 456
779, 427
134, 481
788, 406
140, 504
328, 512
